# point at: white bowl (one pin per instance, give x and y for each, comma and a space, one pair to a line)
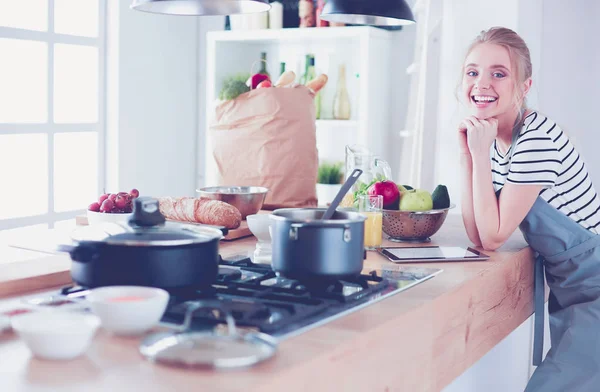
128, 310
56, 334
259, 226
102, 217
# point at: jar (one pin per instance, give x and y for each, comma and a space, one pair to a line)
306, 12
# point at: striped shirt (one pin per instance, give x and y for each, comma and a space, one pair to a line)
544, 156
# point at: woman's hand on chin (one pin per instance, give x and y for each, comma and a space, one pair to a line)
480, 134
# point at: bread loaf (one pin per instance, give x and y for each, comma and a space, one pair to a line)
209, 212
317, 83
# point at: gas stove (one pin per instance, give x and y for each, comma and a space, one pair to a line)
260, 300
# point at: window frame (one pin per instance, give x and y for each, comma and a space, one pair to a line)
50, 128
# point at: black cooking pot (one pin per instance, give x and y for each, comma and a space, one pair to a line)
147, 252
310, 249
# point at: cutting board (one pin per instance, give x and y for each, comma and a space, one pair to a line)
233, 234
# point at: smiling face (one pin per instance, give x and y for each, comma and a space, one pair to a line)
488, 82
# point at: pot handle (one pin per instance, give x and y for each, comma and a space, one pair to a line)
294, 227
328, 225
83, 253
193, 308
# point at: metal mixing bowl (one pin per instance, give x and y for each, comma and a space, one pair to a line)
248, 199
413, 226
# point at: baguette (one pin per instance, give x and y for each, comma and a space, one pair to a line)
206, 211
286, 78
317, 83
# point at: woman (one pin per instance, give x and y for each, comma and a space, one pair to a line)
520, 169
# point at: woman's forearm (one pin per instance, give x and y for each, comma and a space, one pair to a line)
467, 199
485, 203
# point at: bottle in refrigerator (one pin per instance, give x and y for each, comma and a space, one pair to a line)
341, 101
263, 64
309, 70
310, 74
281, 68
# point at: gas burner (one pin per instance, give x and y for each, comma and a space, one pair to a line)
227, 274
245, 313
241, 261
260, 300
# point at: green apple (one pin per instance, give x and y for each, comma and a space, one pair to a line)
416, 200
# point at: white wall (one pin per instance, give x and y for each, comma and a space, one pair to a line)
569, 74
152, 78
207, 24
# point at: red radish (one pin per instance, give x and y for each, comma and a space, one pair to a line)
389, 191
257, 78
112, 196
134, 193
95, 207
264, 84
102, 198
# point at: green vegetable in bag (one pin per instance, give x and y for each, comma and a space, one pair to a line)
234, 86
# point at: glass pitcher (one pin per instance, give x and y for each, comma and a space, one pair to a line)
374, 168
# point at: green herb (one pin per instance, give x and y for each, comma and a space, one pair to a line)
330, 173
363, 188
234, 86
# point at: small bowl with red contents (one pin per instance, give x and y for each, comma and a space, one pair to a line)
128, 310
112, 207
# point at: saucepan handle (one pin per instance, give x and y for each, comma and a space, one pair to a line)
295, 227
83, 253
65, 248
327, 226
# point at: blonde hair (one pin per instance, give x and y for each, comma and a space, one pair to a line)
518, 53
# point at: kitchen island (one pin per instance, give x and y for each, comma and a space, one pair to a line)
418, 340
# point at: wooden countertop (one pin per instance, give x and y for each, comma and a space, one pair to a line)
418, 340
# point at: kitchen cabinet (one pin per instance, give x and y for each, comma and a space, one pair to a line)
366, 53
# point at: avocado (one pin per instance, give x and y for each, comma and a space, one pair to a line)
408, 187
441, 198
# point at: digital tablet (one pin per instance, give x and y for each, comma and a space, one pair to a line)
431, 254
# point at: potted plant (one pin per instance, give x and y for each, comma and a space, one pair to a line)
329, 180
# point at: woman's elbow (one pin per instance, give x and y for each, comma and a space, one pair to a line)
491, 245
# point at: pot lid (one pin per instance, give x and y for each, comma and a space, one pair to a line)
208, 349
147, 227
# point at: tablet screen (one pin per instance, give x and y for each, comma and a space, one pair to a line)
432, 253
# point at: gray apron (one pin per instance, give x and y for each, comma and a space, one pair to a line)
570, 255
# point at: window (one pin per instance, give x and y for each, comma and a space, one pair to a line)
51, 110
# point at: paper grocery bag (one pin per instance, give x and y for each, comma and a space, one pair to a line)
267, 137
